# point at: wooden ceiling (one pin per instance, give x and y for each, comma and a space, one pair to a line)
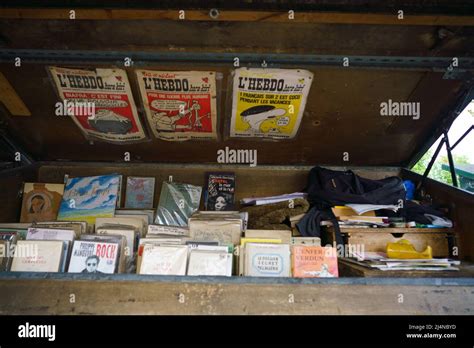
343, 109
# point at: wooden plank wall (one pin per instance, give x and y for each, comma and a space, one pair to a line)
11, 186
212, 296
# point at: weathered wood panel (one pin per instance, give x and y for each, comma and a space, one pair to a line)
11, 185
214, 296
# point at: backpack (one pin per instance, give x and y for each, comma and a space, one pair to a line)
327, 188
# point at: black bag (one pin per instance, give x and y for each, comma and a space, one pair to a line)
327, 188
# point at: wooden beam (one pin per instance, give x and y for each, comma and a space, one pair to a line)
212, 295
248, 16
11, 100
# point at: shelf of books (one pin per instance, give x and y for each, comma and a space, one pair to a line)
173, 239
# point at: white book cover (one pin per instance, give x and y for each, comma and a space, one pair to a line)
170, 230
135, 221
164, 259
209, 263
150, 213
93, 257
267, 260
38, 256
50, 234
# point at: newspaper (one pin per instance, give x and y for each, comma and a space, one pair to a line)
268, 103
179, 105
100, 102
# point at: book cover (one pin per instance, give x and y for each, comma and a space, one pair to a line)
140, 192
93, 257
87, 198
267, 260
210, 263
164, 259
50, 234
314, 262
38, 256
177, 203
220, 191
41, 201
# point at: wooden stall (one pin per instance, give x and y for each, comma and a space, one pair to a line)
360, 56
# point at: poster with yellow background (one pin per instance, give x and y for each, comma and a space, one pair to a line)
268, 103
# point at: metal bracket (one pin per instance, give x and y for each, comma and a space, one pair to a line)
144, 58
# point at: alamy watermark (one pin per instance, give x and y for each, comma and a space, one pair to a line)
232, 156
394, 108
75, 108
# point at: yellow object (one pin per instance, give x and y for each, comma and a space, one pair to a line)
403, 249
244, 241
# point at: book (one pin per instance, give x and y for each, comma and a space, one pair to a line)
272, 199
150, 213
140, 192
118, 204
38, 256
283, 235
168, 230
226, 228
41, 201
314, 261
155, 240
220, 191
88, 198
79, 227
50, 234
363, 208
131, 236
309, 241
123, 261
93, 257
342, 210
209, 263
134, 222
267, 260
8, 241
177, 203
164, 259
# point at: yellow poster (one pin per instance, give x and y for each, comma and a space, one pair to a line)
268, 103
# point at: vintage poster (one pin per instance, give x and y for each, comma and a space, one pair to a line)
268, 103
100, 102
41, 201
180, 105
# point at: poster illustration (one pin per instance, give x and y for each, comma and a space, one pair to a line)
268, 103
100, 102
180, 105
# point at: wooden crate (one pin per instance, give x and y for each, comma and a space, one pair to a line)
441, 240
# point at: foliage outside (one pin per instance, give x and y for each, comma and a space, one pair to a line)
437, 173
